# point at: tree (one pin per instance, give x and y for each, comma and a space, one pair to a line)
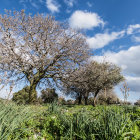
73, 90
125, 91
22, 96
137, 102
109, 98
93, 78
61, 100
49, 95
39, 50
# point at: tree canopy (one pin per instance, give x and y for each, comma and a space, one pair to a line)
39, 50
92, 78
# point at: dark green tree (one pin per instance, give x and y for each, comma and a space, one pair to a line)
49, 95
22, 96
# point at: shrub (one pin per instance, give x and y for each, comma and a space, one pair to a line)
61, 101
22, 96
70, 102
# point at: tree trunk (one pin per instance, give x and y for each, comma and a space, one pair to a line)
86, 100
32, 94
94, 99
79, 100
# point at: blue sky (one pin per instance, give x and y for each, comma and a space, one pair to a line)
112, 28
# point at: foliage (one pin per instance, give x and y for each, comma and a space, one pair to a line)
67, 122
137, 102
22, 96
61, 100
49, 95
92, 78
108, 97
12, 117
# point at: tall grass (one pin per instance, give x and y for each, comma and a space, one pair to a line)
56, 122
103, 123
11, 118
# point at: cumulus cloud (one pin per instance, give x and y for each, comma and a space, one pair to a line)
133, 28
101, 40
52, 6
128, 60
85, 20
134, 83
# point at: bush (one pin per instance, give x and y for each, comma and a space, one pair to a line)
22, 96
70, 102
61, 101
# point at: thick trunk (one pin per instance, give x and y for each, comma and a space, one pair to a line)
32, 88
86, 100
86, 97
79, 100
32, 94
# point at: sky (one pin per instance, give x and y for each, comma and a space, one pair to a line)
112, 28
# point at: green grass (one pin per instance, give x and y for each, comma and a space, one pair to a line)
56, 122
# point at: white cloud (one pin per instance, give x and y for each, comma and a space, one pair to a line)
133, 28
101, 40
85, 20
134, 83
133, 95
136, 38
70, 3
129, 61
52, 6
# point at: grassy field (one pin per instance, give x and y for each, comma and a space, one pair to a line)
56, 122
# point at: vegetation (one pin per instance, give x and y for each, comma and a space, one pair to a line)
74, 122
42, 52
108, 97
22, 96
137, 102
93, 78
38, 50
49, 95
